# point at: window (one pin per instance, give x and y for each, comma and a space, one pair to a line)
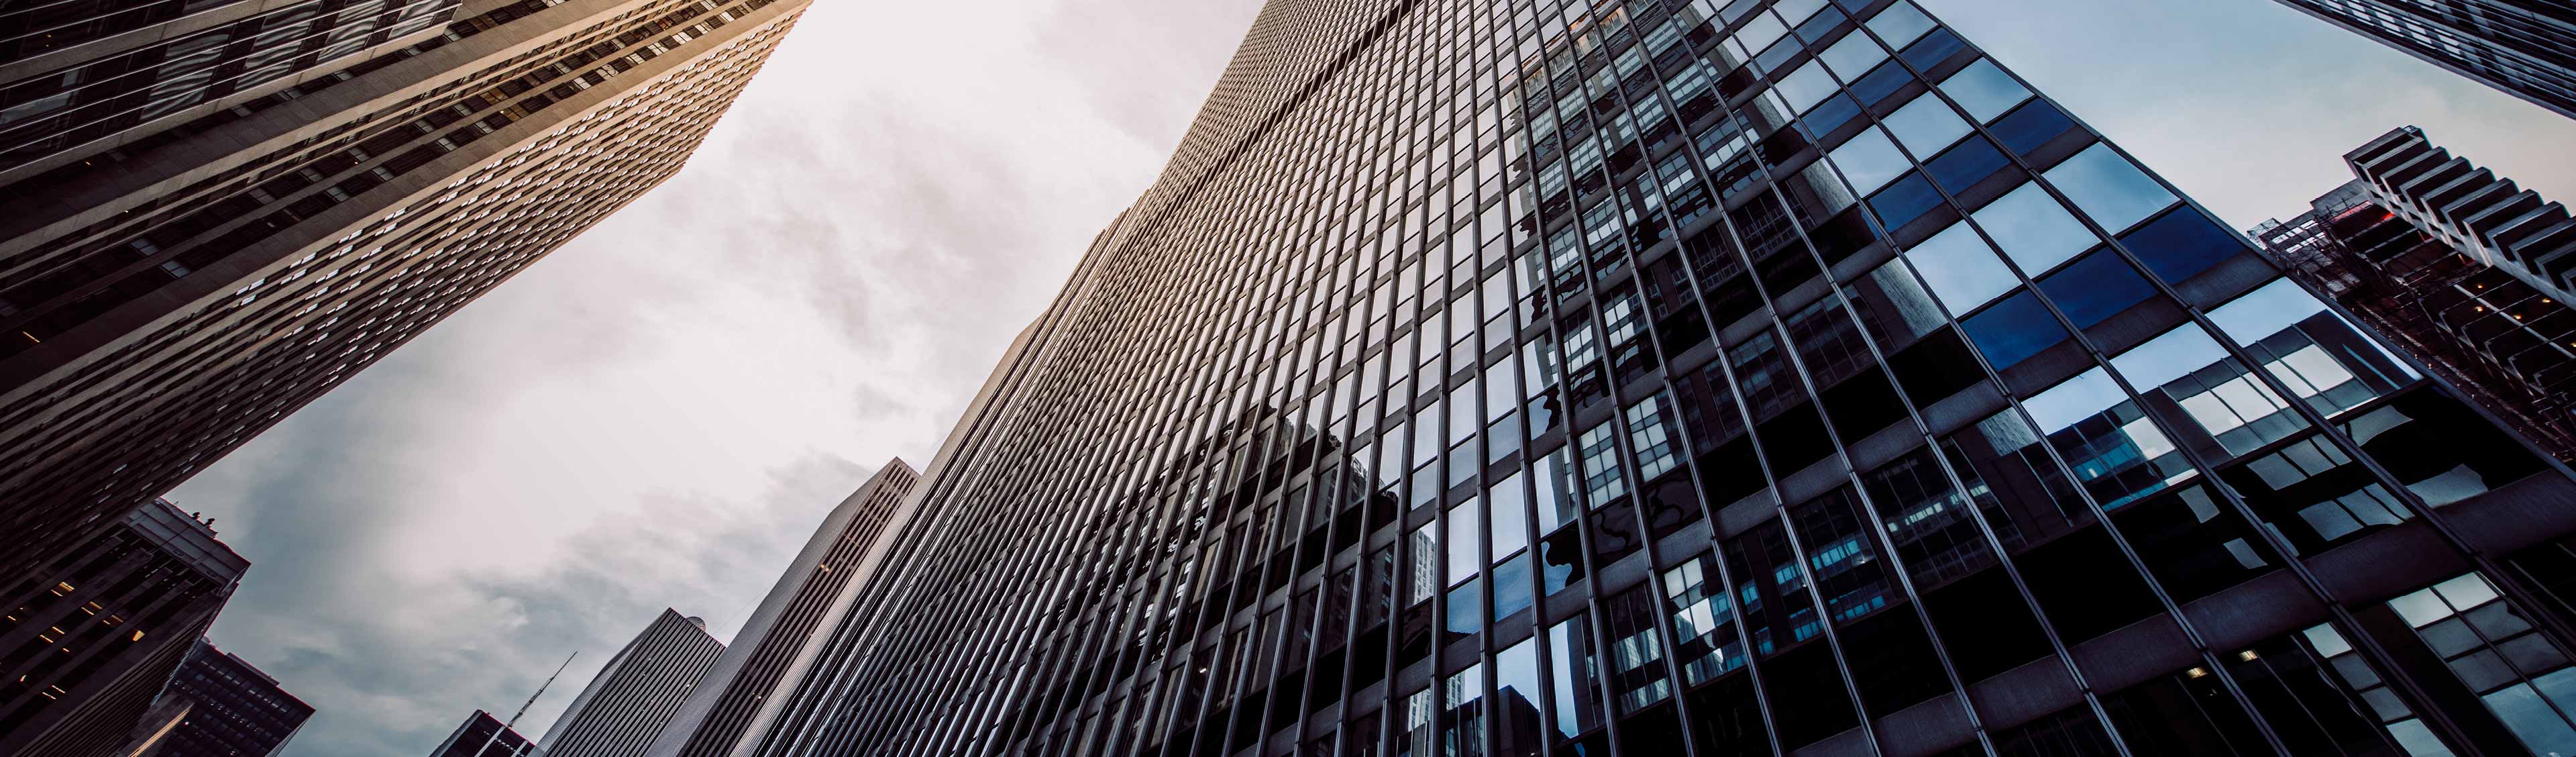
2033, 229
2013, 330
1602, 481
2181, 243
2108, 187
1900, 24
2096, 287
1650, 434
1869, 160
2031, 126
1853, 56
1961, 270
1573, 678
1984, 90
1516, 699
1909, 198
2520, 675
1926, 125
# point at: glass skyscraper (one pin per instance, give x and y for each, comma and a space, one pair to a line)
1780, 377
207, 223
2525, 47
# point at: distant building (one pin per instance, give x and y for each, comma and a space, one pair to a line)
482, 735
238, 711
771, 652
625, 706
2525, 47
214, 211
95, 633
2455, 264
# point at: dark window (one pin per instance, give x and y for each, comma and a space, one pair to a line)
2032, 125
1905, 200
2013, 330
2095, 287
1962, 166
2180, 244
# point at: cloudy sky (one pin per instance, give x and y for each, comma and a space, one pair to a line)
659, 413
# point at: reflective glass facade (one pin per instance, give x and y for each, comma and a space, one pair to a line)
167, 300
1686, 377
2525, 47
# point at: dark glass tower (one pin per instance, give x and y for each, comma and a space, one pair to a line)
176, 279
235, 710
94, 634
2462, 268
774, 650
637, 692
1686, 377
2525, 47
482, 735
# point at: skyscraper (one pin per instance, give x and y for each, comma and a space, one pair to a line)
2525, 47
235, 710
775, 647
94, 634
168, 292
1692, 377
2454, 264
636, 693
482, 735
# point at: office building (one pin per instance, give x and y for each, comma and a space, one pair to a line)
1692, 377
2527, 48
2449, 262
339, 178
482, 735
235, 710
773, 650
637, 692
94, 633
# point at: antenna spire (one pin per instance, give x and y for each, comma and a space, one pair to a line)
541, 690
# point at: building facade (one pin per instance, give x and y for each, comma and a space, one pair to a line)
168, 295
95, 633
2527, 48
482, 735
637, 692
1692, 377
772, 652
2440, 257
235, 710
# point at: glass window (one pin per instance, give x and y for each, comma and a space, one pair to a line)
1636, 651
1905, 201
2440, 449
1462, 713
1853, 56
1464, 559
2213, 389
2031, 126
1511, 586
1573, 679
1516, 697
1703, 621
2115, 451
2013, 330
1900, 24
2108, 187
2180, 244
1926, 125
1961, 269
1423, 553
2521, 676
1650, 434
1984, 90
1805, 87
1509, 513
2315, 495
1602, 481
1965, 165
2096, 287
1555, 486
1869, 160
2033, 229
1418, 737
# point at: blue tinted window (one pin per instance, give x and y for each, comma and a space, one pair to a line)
1511, 586
2013, 330
1881, 82
1836, 111
2031, 126
1963, 165
2095, 287
1933, 48
1905, 200
2180, 244
1466, 609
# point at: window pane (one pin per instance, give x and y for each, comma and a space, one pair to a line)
1907, 200
1927, 125
1900, 24
2030, 126
1965, 165
1516, 698
1984, 90
1961, 270
2034, 229
2180, 244
1804, 87
2096, 287
2108, 187
2013, 330
1852, 57
1508, 511
1869, 160
1573, 679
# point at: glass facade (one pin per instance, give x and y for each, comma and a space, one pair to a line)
2525, 47
1687, 377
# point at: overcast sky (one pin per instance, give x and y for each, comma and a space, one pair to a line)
659, 413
